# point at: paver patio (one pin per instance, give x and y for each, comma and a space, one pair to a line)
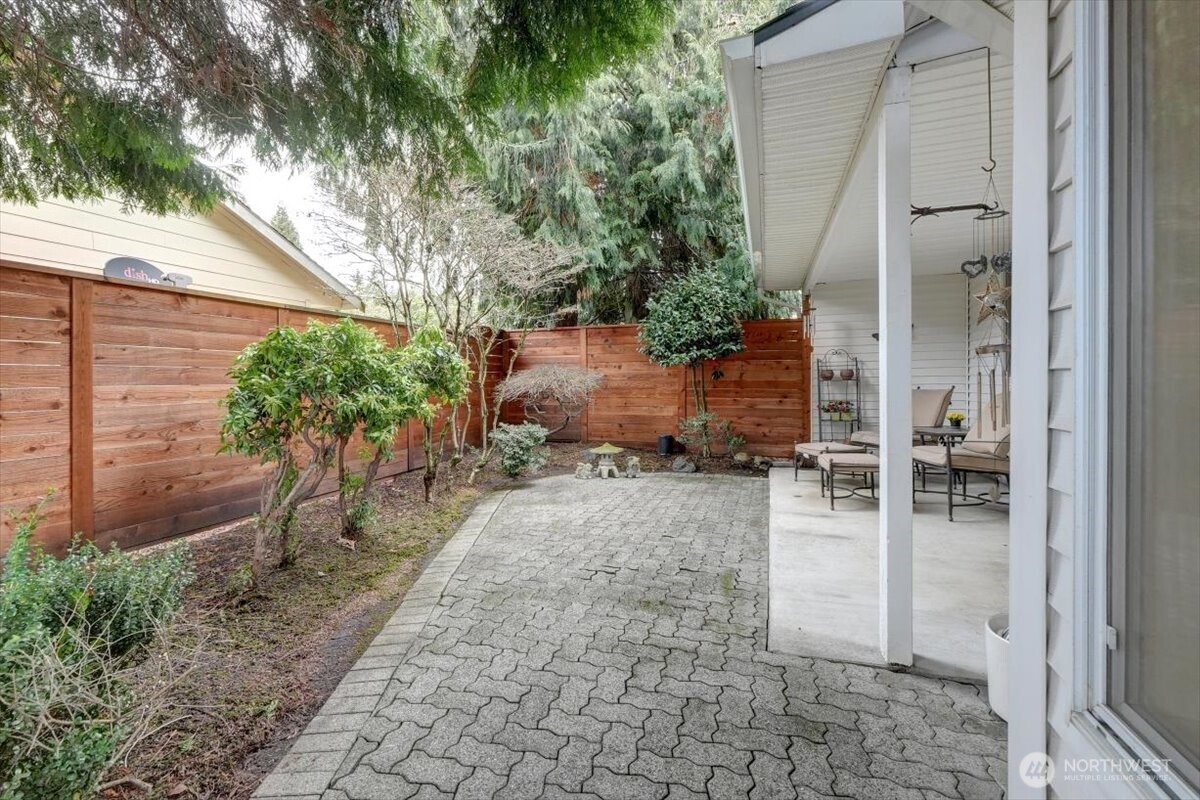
608, 639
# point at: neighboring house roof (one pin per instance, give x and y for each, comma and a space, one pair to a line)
280, 242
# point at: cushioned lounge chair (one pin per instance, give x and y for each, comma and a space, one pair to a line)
929, 408
983, 451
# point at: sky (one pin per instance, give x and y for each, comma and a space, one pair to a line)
264, 190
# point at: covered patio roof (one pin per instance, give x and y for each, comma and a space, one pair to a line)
805, 91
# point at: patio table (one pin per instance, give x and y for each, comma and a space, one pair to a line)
940, 433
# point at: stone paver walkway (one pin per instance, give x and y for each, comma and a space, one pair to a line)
608, 639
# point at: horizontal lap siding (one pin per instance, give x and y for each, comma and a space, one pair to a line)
217, 250
846, 316
1061, 600
35, 401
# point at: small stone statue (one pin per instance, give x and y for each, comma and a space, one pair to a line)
633, 467
583, 471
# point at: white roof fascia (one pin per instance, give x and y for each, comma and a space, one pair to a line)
292, 252
977, 18
742, 94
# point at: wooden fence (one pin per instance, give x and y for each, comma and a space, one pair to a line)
109, 394
763, 390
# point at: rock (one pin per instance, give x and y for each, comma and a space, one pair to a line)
583, 471
633, 467
683, 464
762, 462
741, 458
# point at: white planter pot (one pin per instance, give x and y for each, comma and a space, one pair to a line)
995, 648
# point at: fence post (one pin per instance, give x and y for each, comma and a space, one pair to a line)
583, 362
83, 513
681, 403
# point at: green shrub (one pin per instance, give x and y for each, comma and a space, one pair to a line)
690, 322
520, 448
68, 629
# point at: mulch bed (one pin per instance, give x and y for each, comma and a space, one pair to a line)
275, 659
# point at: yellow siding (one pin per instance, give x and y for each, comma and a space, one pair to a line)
220, 252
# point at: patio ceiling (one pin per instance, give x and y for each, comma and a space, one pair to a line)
804, 96
949, 146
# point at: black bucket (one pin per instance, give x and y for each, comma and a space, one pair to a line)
666, 443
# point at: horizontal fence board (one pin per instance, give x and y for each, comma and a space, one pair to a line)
34, 399
764, 390
23, 329
35, 403
23, 306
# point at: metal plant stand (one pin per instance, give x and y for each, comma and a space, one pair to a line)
838, 378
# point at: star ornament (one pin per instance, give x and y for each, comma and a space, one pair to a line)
993, 301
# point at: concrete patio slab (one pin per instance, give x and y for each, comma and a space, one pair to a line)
824, 582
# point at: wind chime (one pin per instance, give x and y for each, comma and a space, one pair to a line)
991, 239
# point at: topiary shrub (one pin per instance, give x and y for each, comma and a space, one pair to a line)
520, 448
694, 320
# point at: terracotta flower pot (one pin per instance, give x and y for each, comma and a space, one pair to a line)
826, 374
847, 374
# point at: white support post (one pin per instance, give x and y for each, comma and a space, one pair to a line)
1027, 524
895, 372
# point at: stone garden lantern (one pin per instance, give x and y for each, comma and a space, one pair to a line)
605, 466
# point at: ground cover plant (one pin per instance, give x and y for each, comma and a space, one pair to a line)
75, 635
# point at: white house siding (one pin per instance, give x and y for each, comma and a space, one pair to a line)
845, 315
1060, 570
218, 251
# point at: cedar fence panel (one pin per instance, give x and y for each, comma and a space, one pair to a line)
35, 399
109, 393
764, 390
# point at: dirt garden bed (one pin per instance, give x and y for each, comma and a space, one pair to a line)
274, 660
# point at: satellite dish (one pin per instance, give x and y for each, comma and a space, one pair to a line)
133, 269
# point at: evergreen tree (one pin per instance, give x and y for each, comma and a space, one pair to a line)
639, 172
108, 96
283, 224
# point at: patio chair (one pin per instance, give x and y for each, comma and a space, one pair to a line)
984, 451
929, 408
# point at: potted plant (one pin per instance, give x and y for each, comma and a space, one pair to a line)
956, 418
995, 648
826, 374
839, 409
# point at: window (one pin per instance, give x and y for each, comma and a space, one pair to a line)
1153, 596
